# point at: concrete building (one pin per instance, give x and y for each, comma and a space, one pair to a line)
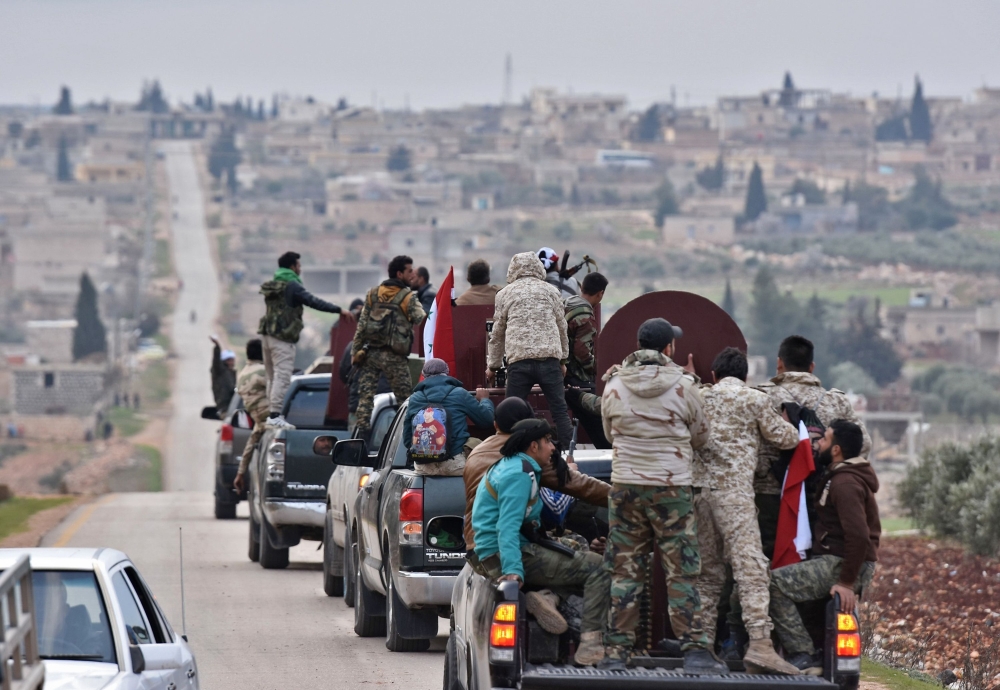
51, 340
719, 230
58, 389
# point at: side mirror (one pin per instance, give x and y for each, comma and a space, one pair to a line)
323, 445
210, 412
135, 652
161, 657
351, 453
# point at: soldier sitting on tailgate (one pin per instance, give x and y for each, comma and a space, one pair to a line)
727, 526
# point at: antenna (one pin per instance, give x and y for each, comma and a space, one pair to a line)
508, 79
180, 539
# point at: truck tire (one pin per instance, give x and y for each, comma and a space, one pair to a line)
348, 569
365, 624
333, 584
270, 557
405, 629
224, 511
254, 550
451, 665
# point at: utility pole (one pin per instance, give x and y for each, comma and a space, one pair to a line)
508, 80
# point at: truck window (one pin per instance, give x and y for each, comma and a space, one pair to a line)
71, 620
381, 426
307, 408
134, 620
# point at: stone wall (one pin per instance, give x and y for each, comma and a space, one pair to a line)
66, 389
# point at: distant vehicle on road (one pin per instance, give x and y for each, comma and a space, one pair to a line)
233, 436
341, 493
99, 625
406, 543
287, 478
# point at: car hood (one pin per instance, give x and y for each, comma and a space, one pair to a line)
78, 675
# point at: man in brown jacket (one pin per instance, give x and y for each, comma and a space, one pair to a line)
480, 291
845, 543
486, 454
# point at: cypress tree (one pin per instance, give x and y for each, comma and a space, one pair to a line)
65, 104
64, 172
920, 116
649, 125
728, 303
89, 335
756, 197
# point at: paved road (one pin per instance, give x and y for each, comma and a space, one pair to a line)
249, 628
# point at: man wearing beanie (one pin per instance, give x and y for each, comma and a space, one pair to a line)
507, 506
440, 393
653, 416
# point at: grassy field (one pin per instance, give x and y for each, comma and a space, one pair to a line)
14, 513
127, 421
897, 524
153, 468
162, 265
893, 678
154, 384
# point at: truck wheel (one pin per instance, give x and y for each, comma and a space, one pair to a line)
400, 621
224, 511
451, 665
333, 584
270, 557
254, 551
348, 569
365, 624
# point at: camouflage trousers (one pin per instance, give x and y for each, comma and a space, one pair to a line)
259, 420
728, 533
806, 581
768, 507
638, 515
397, 373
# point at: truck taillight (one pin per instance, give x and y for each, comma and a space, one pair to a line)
848, 644
276, 460
411, 517
226, 433
503, 633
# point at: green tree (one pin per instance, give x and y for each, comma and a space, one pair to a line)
666, 202
224, 156
926, 206
773, 315
862, 344
893, 129
151, 99
728, 303
399, 159
873, 204
64, 172
89, 336
15, 129
756, 202
789, 96
712, 178
65, 104
848, 376
920, 116
808, 189
649, 125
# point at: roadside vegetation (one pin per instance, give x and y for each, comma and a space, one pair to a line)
15, 512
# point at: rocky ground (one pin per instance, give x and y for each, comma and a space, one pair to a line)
935, 608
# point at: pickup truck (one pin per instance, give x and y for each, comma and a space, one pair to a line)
406, 544
233, 435
493, 642
287, 478
341, 492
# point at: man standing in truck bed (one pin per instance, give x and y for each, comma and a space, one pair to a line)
384, 338
284, 297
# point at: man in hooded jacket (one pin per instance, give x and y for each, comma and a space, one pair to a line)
529, 328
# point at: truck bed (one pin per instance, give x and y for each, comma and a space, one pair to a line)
657, 674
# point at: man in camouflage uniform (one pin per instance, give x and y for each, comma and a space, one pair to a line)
251, 383
653, 415
727, 527
581, 330
385, 352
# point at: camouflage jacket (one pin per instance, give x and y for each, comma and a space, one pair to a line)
251, 383
529, 321
740, 417
653, 416
410, 307
805, 389
581, 330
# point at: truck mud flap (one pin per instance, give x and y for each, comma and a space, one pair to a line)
572, 678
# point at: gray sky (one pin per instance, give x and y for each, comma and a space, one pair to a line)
449, 52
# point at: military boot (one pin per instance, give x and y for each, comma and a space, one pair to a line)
761, 658
591, 649
542, 605
701, 661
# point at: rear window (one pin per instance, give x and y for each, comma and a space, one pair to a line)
307, 408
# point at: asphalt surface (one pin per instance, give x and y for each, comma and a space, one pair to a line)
249, 628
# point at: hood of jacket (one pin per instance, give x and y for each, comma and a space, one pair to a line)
525, 265
647, 373
287, 275
437, 387
860, 469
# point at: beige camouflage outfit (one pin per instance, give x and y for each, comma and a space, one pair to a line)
739, 417
251, 384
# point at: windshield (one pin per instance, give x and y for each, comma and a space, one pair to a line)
307, 408
71, 618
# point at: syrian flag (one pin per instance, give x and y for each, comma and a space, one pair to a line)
439, 336
794, 536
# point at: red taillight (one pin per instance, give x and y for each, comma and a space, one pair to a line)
848, 644
226, 433
503, 634
411, 506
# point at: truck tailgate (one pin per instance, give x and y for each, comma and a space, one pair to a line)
444, 512
573, 678
306, 473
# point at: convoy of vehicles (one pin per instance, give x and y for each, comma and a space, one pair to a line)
98, 625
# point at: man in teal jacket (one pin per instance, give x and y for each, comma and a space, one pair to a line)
441, 391
506, 500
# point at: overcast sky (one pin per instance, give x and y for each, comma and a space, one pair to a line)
450, 52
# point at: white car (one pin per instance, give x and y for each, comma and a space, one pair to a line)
99, 626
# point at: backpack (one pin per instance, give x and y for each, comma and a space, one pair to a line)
280, 320
388, 325
430, 435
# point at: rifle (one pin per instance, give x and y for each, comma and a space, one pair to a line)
572, 441
566, 273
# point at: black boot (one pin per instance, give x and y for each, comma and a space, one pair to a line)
701, 662
671, 648
734, 647
804, 661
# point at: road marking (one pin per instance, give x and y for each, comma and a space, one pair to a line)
85, 514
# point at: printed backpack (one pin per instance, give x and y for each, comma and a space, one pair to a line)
430, 435
388, 325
